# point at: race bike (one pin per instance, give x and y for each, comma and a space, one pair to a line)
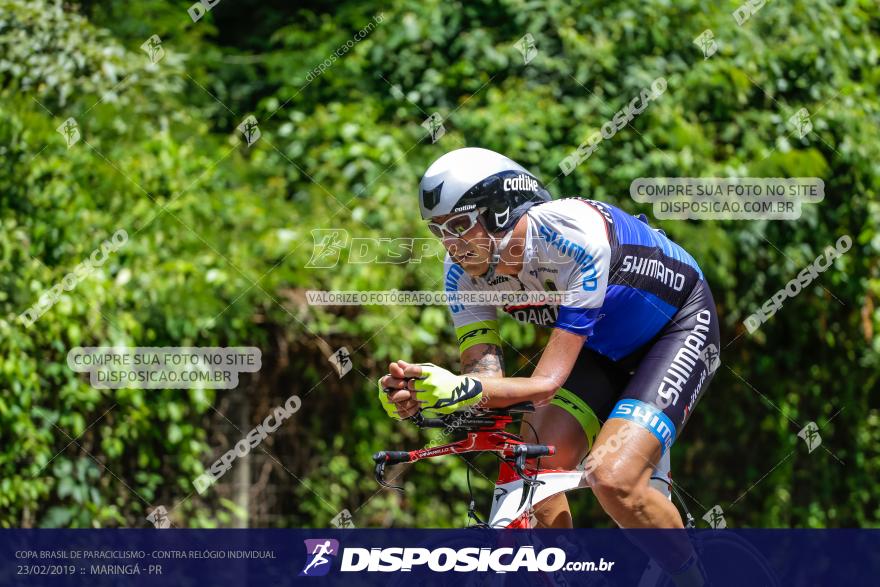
522, 483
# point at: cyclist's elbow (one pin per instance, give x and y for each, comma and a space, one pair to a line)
545, 388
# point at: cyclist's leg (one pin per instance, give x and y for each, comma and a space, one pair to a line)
655, 406
619, 470
555, 426
571, 424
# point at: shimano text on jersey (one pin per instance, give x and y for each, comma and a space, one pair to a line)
653, 268
579, 254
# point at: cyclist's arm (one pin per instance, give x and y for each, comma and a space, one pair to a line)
583, 262
484, 360
480, 348
553, 369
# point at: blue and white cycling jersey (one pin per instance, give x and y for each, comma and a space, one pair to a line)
626, 280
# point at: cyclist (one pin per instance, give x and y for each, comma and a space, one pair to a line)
632, 350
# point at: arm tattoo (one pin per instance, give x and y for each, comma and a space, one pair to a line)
489, 362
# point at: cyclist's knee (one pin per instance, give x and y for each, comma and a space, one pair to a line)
605, 480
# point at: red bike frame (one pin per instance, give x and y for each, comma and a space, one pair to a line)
486, 433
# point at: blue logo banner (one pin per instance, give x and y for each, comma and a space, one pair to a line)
435, 557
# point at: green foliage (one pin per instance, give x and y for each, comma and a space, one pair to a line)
220, 236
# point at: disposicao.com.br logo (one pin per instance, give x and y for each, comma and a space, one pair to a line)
440, 560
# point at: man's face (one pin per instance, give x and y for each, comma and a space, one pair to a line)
471, 250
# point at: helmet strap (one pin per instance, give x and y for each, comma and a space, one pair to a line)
497, 249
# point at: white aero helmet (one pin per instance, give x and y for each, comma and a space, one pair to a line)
470, 178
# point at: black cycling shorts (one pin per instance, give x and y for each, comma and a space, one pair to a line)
658, 385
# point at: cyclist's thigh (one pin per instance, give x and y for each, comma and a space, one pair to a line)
675, 372
552, 425
572, 419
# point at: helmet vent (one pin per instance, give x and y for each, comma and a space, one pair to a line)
430, 198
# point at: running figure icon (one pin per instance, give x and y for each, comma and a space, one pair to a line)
320, 553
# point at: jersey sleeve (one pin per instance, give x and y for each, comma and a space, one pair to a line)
473, 324
578, 242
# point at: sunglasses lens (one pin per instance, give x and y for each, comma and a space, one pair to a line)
460, 225
435, 229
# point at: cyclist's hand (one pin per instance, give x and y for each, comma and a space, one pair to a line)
395, 379
398, 404
440, 392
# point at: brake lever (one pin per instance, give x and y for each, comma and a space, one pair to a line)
381, 459
519, 465
380, 478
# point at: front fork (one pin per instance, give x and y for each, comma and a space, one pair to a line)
514, 497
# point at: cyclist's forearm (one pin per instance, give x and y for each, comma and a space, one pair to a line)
483, 360
553, 369
499, 392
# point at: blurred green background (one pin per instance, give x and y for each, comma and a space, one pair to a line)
220, 233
